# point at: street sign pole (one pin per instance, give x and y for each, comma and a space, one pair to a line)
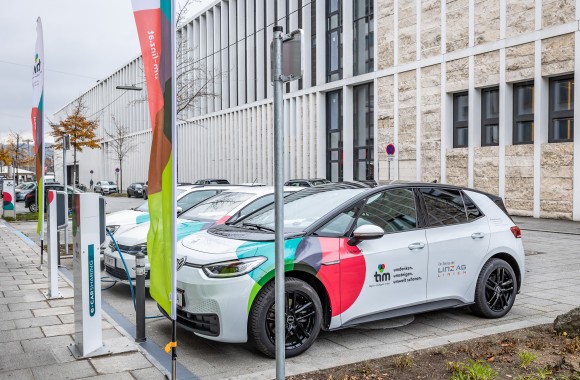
279, 281
65, 147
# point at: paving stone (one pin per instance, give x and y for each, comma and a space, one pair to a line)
53, 311
11, 315
26, 360
120, 363
12, 348
19, 374
73, 370
27, 298
353, 340
28, 305
33, 286
20, 334
61, 302
37, 322
67, 318
7, 325
114, 376
148, 374
46, 344
64, 329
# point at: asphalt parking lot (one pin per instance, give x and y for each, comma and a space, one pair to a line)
552, 286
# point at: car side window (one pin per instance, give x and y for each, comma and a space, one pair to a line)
393, 210
258, 204
340, 224
194, 198
470, 208
444, 206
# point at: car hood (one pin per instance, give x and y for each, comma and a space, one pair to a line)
138, 235
127, 217
204, 248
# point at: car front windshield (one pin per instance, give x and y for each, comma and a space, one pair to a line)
216, 207
110, 183
300, 211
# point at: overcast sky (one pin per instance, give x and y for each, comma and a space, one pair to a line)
84, 41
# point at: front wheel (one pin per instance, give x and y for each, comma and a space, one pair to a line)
128, 195
303, 318
496, 289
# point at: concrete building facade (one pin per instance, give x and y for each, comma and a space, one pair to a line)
471, 92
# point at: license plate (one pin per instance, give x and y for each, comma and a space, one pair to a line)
110, 261
180, 300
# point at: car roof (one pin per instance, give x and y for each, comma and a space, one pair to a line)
259, 190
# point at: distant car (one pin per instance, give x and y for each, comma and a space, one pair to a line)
22, 190
106, 187
135, 190
30, 200
307, 182
211, 182
226, 207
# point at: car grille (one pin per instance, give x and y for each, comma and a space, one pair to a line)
121, 274
206, 324
125, 249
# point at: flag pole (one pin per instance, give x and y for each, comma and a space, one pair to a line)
173, 194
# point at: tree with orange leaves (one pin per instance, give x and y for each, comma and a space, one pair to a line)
81, 131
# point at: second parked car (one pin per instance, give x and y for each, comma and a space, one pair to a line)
135, 190
106, 187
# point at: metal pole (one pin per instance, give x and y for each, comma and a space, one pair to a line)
140, 298
280, 310
389, 166
64, 176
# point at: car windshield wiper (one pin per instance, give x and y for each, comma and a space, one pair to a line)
258, 227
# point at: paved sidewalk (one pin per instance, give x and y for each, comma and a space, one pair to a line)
35, 332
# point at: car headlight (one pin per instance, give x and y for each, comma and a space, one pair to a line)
233, 268
141, 248
113, 229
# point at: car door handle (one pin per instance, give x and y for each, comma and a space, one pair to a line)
477, 235
416, 246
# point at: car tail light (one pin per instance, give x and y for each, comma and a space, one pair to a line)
29, 195
516, 231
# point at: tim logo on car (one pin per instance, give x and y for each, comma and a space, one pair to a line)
381, 277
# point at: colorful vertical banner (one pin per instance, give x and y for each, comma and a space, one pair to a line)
156, 29
38, 123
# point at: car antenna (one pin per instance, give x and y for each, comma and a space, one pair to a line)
256, 179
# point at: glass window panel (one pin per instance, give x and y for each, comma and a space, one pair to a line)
563, 129
524, 104
471, 209
334, 140
444, 207
360, 8
461, 136
564, 95
461, 107
334, 51
362, 154
334, 172
491, 104
333, 6
491, 134
193, 198
334, 155
524, 132
392, 210
340, 225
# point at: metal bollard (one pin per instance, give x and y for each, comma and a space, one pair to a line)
140, 298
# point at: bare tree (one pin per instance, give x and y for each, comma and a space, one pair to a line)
120, 145
18, 153
195, 79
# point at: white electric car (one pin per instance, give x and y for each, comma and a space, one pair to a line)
227, 206
352, 256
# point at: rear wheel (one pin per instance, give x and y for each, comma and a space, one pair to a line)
496, 289
303, 318
33, 207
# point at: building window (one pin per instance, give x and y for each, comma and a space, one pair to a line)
561, 109
460, 114
523, 113
490, 117
363, 129
363, 36
333, 40
334, 159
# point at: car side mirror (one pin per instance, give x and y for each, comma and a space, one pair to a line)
179, 210
366, 232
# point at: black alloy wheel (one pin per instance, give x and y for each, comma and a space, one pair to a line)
303, 318
496, 289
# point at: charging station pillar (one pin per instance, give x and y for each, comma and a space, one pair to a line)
56, 219
8, 199
88, 228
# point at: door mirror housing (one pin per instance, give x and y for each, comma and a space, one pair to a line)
179, 210
366, 232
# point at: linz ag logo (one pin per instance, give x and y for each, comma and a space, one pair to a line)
180, 262
381, 275
448, 269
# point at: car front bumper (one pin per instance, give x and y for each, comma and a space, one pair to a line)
115, 269
214, 308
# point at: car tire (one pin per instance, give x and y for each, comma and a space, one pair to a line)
144, 196
496, 289
33, 208
128, 195
261, 328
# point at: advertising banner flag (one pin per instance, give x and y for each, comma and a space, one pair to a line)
156, 29
37, 117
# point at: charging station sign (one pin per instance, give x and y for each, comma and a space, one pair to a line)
91, 260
